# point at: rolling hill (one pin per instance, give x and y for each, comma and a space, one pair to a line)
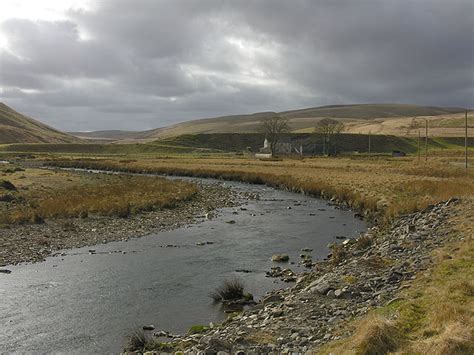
17, 128
361, 118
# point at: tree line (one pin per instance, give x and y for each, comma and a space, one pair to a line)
327, 128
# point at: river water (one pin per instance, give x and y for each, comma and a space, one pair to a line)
89, 303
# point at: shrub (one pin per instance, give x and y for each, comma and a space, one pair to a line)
7, 185
232, 289
338, 253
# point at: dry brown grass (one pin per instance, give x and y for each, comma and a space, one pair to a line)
381, 187
455, 339
376, 335
109, 196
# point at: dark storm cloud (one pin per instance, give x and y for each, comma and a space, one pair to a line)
145, 63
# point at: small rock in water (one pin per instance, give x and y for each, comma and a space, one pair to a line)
280, 258
245, 271
307, 250
148, 327
230, 222
5, 271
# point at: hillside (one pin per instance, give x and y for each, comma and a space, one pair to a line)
17, 128
301, 119
389, 119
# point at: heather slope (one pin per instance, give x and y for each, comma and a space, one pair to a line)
18, 128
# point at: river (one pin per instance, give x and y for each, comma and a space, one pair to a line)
82, 302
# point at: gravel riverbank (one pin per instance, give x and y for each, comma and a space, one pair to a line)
360, 275
34, 242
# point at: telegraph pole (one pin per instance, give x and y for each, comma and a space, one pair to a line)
465, 140
419, 145
426, 139
369, 143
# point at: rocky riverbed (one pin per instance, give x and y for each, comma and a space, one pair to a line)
34, 242
358, 275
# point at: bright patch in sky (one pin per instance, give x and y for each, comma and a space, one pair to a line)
46, 10
40, 9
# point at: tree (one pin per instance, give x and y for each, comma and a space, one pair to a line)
273, 128
329, 128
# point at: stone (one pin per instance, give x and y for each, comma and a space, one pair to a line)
148, 327
280, 258
5, 271
272, 299
277, 313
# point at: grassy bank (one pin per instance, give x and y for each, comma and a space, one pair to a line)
379, 187
434, 316
40, 194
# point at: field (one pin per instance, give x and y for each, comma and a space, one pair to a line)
447, 125
380, 187
40, 194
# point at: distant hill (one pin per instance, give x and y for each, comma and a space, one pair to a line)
300, 119
357, 118
370, 111
17, 128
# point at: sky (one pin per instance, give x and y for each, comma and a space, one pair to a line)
142, 64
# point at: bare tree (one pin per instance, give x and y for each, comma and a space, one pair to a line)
329, 128
273, 128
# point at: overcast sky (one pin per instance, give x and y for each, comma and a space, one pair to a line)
141, 64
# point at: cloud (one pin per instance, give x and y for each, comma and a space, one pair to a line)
141, 64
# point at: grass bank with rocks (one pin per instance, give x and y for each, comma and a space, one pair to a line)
43, 211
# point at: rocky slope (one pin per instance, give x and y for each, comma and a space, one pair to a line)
358, 276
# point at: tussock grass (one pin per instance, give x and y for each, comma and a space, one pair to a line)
363, 242
232, 289
116, 196
140, 342
376, 335
338, 253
